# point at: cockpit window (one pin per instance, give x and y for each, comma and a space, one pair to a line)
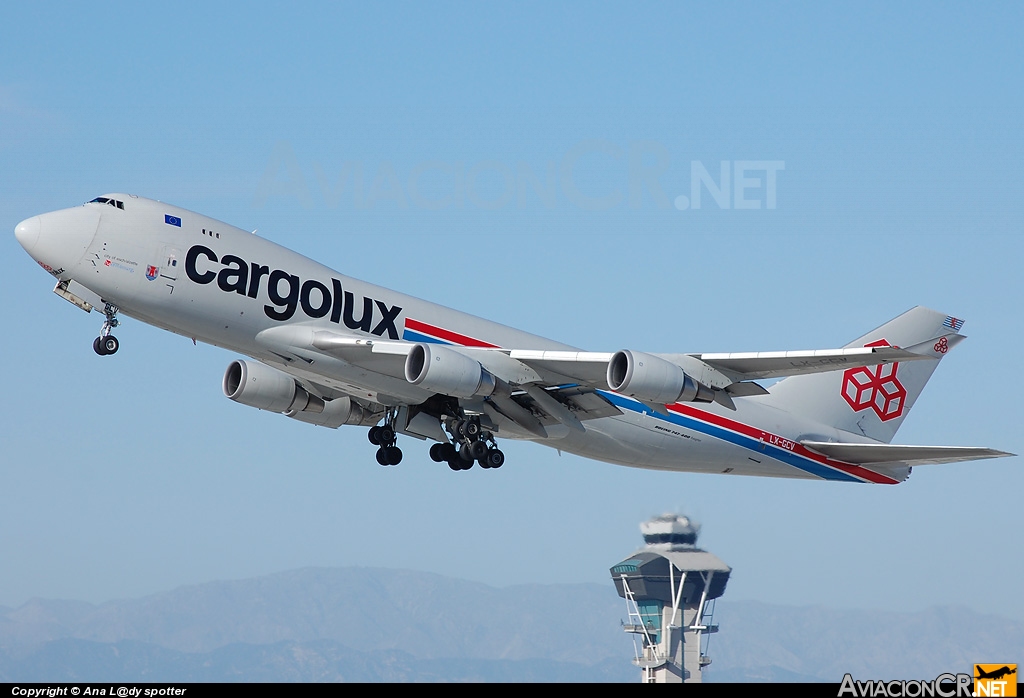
109, 202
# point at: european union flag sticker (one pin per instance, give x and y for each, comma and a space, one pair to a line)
171, 220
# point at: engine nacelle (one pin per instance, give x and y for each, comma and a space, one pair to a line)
653, 379
333, 413
442, 370
257, 385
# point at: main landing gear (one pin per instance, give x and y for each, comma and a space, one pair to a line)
384, 436
470, 444
475, 446
107, 343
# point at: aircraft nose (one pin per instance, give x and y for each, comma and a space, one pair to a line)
58, 240
27, 233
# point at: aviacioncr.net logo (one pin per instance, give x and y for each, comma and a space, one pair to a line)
995, 680
875, 387
943, 686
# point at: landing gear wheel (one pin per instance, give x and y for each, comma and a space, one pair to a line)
105, 345
493, 459
471, 442
394, 455
437, 453
384, 436
478, 449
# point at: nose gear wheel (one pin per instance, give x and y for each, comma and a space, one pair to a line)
107, 343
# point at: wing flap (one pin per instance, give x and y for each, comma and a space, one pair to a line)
568, 405
894, 454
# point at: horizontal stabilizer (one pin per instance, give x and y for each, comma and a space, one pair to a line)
889, 454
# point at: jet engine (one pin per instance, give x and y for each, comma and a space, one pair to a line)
653, 379
442, 370
257, 385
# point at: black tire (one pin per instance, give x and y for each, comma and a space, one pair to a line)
448, 452
460, 427
110, 344
466, 453
382, 456
494, 459
478, 449
472, 429
386, 435
437, 453
394, 454
374, 436
455, 463
97, 347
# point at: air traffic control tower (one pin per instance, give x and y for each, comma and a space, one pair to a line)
670, 586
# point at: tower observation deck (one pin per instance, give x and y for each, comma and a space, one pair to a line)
670, 586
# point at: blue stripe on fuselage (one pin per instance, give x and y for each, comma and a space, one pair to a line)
779, 454
410, 336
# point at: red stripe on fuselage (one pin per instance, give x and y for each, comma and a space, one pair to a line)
781, 442
447, 335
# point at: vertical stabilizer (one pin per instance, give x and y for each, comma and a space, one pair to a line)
873, 400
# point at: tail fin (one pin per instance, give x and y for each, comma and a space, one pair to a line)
873, 400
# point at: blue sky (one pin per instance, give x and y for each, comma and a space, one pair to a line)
523, 164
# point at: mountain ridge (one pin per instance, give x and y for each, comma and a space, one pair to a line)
333, 624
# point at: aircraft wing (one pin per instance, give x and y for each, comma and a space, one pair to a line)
779, 364
518, 366
591, 367
536, 388
529, 399
890, 454
586, 367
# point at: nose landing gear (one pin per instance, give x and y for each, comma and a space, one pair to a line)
107, 343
